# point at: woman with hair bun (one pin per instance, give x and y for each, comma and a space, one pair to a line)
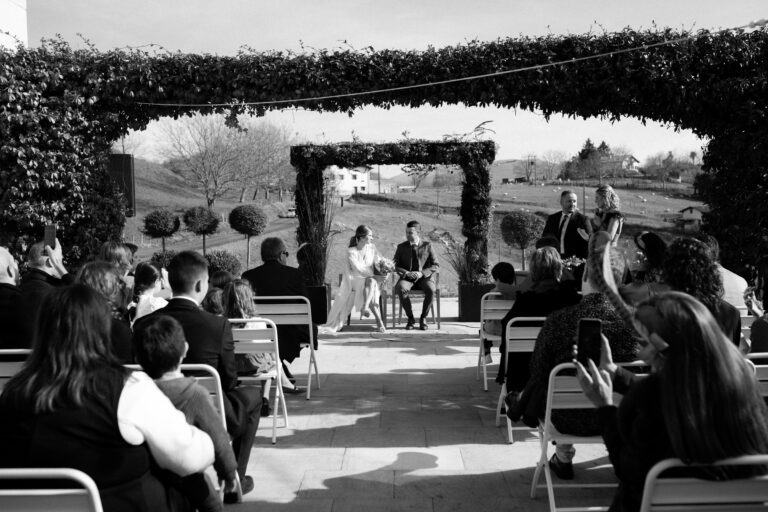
359, 287
147, 281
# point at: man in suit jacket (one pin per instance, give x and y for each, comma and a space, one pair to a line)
46, 272
415, 263
210, 342
565, 225
276, 278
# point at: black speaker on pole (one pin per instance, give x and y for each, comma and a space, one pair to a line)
121, 170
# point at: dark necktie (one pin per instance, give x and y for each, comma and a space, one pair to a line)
414, 258
562, 222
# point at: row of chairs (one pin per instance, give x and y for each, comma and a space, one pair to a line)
564, 392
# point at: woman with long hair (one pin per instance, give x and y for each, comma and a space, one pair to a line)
237, 302
104, 278
608, 216
74, 405
689, 268
359, 287
147, 282
700, 402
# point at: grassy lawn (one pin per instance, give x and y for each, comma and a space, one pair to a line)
157, 187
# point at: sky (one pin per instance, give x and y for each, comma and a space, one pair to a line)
224, 26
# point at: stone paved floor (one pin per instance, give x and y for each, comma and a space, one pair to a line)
401, 424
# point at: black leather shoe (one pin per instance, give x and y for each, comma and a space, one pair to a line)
563, 470
410, 325
423, 324
266, 410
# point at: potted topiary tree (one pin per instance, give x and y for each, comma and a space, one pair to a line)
223, 260
473, 280
201, 221
250, 221
161, 224
521, 229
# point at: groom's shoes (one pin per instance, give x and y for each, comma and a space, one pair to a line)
410, 325
423, 324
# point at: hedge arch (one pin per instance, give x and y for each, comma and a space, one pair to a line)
60, 109
474, 158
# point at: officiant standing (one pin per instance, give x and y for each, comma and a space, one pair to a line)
415, 263
565, 225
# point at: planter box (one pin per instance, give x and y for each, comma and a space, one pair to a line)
320, 300
469, 300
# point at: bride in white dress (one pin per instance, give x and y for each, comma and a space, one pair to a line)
359, 287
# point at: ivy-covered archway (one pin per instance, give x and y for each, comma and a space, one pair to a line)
60, 109
474, 158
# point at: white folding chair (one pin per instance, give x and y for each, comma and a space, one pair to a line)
84, 497
292, 310
688, 494
564, 393
11, 361
262, 340
492, 307
761, 372
521, 338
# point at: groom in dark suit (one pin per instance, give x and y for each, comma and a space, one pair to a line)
415, 263
565, 225
210, 342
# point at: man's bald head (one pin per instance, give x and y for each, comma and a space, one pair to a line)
9, 270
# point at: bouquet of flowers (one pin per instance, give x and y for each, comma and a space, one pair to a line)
573, 261
383, 267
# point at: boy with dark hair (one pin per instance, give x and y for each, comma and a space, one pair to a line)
503, 274
160, 347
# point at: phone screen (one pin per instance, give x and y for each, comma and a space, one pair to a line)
589, 336
49, 238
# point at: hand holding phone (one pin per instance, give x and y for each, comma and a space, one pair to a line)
589, 335
49, 236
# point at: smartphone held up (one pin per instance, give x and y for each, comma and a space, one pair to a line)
589, 335
49, 236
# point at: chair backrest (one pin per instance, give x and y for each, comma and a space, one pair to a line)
259, 338
688, 494
746, 320
11, 361
207, 377
564, 392
493, 307
44, 496
761, 373
285, 310
522, 332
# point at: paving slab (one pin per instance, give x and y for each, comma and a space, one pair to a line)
400, 423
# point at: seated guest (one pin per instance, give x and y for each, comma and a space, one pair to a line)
690, 268
45, 271
275, 277
147, 281
647, 280
121, 256
503, 274
10, 303
554, 346
103, 277
547, 294
210, 342
700, 402
160, 346
74, 405
734, 285
213, 302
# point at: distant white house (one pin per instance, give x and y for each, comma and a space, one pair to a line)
629, 164
350, 181
691, 217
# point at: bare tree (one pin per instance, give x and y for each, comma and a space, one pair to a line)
130, 143
204, 151
265, 159
552, 162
